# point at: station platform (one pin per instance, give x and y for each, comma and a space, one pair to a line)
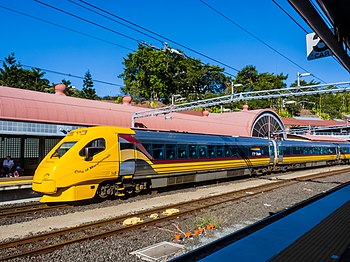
316, 230
14, 188
9, 183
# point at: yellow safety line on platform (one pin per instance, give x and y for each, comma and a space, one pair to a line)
15, 182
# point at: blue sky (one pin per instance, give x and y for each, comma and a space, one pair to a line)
190, 23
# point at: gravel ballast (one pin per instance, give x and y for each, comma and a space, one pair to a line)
230, 217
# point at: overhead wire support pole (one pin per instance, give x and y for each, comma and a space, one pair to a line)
247, 96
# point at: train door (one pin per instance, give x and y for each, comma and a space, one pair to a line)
126, 155
338, 152
273, 151
279, 151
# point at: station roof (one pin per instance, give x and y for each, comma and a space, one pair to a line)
311, 122
315, 138
26, 105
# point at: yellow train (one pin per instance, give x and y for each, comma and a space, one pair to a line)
111, 161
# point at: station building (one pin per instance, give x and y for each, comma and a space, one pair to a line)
31, 123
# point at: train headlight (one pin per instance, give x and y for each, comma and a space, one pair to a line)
46, 176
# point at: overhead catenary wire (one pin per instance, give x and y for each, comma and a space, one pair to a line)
159, 35
65, 74
136, 40
257, 38
295, 21
72, 30
91, 10
90, 22
64, 27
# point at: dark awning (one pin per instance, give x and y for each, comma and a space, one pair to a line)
337, 13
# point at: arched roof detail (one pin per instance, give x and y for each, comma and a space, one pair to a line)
267, 124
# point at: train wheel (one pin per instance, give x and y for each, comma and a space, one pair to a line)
102, 190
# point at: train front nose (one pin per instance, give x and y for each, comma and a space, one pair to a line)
43, 181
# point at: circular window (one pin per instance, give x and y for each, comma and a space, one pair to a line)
268, 125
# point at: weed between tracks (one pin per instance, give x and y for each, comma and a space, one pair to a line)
206, 219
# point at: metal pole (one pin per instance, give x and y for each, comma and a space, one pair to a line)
133, 121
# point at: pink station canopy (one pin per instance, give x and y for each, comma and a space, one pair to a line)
25, 105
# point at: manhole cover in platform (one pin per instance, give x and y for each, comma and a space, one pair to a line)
157, 251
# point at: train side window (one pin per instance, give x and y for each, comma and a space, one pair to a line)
307, 150
182, 151
297, 150
158, 151
148, 147
193, 151
203, 151
243, 151
264, 150
95, 146
234, 150
63, 149
170, 151
127, 145
212, 151
220, 151
316, 150
228, 151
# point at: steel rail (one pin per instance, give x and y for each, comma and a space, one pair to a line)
184, 208
27, 209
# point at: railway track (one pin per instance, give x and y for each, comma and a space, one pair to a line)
27, 209
57, 239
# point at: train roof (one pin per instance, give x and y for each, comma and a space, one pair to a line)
305, 143
193, 138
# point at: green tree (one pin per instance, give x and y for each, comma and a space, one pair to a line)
88, 91
71, 90
37, 81
155, 74
326, 106
13, 75
250, 80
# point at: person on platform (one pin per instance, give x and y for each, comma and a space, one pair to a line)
18, 171
8, 166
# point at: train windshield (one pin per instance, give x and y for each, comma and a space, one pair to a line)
63, 149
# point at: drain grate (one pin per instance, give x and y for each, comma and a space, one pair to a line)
157, 251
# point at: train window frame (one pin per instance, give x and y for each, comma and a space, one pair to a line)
182, 151
212, 151
126, 145
220, 151
234, 150
192, 151
264, 150
202, 151
228, 151
148, 147
62, 146
170, 151
345, 150
158, 151
99, 148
